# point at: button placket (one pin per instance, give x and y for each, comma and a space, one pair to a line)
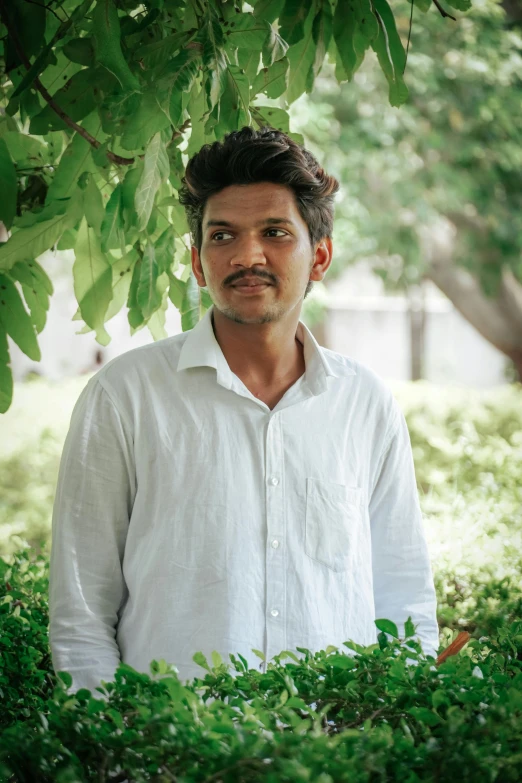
275, 560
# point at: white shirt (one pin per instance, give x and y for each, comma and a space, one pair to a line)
190, 517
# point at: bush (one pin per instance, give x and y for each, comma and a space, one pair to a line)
328, 717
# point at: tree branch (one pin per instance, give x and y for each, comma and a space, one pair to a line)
49, 99
442, 11
496, 319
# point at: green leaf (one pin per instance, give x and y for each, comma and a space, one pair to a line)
33, 241
66, 678
217, 660
156, 54
341, 661
155, 171
249, 61
15, 319
292, 20
156, 323
25, 149
80, 50
9, 187
165, 248
93, 205
121, 280
76, 98
147, 296
106, 29
424, 715
322, 33
198, 111
259, 654
237, 86
190, 305
29, 23
409, 628
46, 55
272, 117
142, 124
92, 281
75, 160
176, 79
367, 27
211, 36
301, 57
112, 226
275, 48
37, 289
247, 32
268, 9
128, 191
390, 53
388, 627
135, 316
6, 376
176, 290
200, 659
271, 81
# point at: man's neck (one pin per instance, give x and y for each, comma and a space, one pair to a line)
263, 354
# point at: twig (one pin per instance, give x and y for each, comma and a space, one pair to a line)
52, 103
442, 11
409, 35
181, 130
454, 648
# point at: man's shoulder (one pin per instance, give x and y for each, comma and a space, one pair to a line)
141, 364
360, 376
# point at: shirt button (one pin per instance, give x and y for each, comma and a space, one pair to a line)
274, 612
274, 481
275, 543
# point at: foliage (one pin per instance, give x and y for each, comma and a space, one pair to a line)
103, 104
328, 716
453, 151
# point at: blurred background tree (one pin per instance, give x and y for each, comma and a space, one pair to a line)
433, 190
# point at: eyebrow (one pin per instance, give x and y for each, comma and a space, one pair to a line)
267, 222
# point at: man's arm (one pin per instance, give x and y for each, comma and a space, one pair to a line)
92, 507
402, 574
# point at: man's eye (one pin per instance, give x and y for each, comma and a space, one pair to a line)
278, 229
220, 233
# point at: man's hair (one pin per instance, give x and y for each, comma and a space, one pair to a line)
249, 156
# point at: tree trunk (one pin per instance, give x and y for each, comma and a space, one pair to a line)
417, 315
499, 318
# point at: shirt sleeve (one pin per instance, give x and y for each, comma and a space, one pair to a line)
402, 574
92, 507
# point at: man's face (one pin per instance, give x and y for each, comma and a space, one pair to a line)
256, 232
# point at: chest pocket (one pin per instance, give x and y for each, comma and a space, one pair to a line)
333, 522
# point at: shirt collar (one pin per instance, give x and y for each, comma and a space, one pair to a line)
201, 349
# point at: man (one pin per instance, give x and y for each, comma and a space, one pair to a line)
237, 486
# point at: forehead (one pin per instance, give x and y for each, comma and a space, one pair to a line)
238, 203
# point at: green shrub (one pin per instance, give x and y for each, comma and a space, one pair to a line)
327, 717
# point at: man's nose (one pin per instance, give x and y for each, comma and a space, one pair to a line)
248, 251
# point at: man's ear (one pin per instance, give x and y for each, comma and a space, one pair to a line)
322, 258
197, 267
